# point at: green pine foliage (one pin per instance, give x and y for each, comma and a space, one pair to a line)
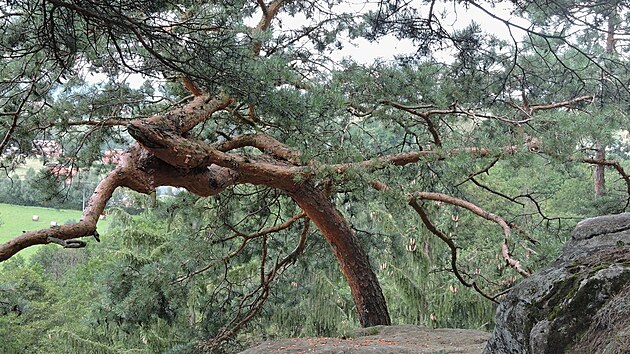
189, 268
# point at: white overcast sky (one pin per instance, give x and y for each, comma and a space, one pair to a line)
452, 16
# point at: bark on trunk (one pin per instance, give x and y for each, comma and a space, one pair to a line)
186, 154
600, 181
600, 150
354, 262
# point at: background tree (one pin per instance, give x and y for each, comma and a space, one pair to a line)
262, 118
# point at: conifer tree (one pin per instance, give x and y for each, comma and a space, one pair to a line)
235, 96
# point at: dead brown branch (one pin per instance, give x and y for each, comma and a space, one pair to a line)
452, 246
484, 214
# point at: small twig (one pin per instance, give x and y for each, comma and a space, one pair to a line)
483, 170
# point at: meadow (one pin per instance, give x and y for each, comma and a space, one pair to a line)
14, 219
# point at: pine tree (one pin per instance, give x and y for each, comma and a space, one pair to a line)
232, 110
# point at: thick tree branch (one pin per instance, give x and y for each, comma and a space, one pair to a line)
137, 170
263, 8
268, 13
187, 153
191, 87
60, 234
181, 120
264, 143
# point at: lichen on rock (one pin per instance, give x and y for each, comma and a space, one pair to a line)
567, 306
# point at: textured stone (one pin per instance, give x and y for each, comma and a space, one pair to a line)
568, 306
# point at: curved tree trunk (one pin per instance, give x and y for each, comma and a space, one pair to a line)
600, 180
353, 260
180, 152
165, 157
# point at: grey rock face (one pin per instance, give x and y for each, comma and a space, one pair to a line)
580, 303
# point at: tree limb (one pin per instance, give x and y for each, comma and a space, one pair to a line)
264, 143
61, 234
451, 245
486, 215
475, 209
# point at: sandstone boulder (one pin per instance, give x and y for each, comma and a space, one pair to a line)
580, 303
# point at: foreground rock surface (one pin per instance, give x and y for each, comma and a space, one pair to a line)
580, 303
405, 339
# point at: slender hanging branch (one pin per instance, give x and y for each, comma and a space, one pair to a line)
486, 215
473, 208
266, 278
453, 248
412, 198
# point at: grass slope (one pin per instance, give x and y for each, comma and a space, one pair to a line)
16, 218
34, 163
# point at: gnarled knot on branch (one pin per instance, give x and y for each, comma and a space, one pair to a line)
72, 243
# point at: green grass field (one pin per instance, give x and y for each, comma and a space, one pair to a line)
15, 218
33, 163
